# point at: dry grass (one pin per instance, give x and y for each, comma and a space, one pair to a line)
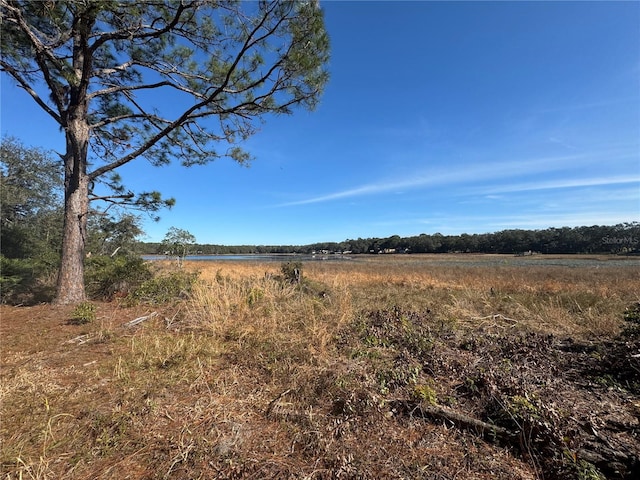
572, 301
253, 377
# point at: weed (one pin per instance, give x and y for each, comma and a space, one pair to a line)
425, 393
255, 295
582, 469
632, 313
397, 328
108, 431
524, 408
84, 312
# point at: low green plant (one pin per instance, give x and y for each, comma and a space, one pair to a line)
582, 469
425, 393
398, 376
84, 312
255, 295
164, 288
632, 313
398, 329
524, 408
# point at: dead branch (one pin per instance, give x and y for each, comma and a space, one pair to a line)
139, 320
80, 339
497, 316
610, 461
275, 401
488, 431
169, 321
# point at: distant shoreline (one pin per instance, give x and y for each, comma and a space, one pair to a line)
435, 259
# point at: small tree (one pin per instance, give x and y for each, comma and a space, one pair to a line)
177, 242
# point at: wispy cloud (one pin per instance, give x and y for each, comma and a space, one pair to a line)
562, 143
456, 175
563, 183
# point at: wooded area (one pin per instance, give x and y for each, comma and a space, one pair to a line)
619, 239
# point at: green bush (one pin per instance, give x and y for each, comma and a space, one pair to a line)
106, 277
25, 281
163, 288
85, 312
13, 272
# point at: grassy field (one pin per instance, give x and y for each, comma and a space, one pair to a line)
380, 367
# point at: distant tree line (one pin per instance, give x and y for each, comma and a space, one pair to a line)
622, 238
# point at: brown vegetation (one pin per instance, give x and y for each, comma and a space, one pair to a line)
375, 368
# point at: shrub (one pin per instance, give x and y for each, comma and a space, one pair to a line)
164, 288
85, 312
106, 277
13, 272
292, 271
25, 281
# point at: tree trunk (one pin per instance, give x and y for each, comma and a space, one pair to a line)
70, 288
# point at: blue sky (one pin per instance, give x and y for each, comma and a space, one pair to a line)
450, 117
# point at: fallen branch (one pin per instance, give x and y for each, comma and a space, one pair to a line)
488, 431
614, 462
139, 320
275, 401
169, 321
497, 316
80, 339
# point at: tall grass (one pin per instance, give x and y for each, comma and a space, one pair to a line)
584, 301
264, 314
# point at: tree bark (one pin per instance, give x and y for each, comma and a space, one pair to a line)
70, 287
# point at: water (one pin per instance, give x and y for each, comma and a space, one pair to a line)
433, 259
255, 258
